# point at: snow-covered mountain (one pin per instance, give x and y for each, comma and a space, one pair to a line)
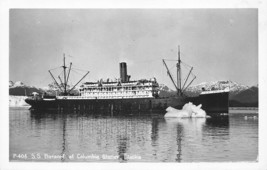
11, 84
240, 95
163, 87
20, 89
233, 86
165, 91
18, 84
195, 90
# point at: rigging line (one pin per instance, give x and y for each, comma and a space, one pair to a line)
189, 83
187, 78
171, 77
74, 70
69, 69
193, 74
186, 56
55, 68
61, 83
173, 80
163, 73
78, 82
171, 64
61, 73
186, 64
55, 80
74, 66
78, 69
170, 60
70, 82
172, 67
77, 72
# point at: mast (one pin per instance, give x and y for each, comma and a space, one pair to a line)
179, 73
179, 85
65, 82
66, 78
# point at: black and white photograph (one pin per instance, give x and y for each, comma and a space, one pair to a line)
133, 85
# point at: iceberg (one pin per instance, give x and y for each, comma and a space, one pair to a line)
189, 110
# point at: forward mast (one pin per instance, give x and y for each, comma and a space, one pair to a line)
65, 92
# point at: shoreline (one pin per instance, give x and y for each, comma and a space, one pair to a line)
243, 110
232, 111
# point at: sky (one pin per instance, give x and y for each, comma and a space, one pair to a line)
220, 44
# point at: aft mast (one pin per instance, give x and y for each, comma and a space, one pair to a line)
65, 82
178, 85
179, 73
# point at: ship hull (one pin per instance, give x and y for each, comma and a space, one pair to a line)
214, 104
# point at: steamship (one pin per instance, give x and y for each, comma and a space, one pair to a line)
125, 96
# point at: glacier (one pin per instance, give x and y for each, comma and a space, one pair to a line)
17, 101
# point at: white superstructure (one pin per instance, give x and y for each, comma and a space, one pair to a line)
215, 91
118, 90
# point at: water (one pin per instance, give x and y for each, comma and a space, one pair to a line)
73, 137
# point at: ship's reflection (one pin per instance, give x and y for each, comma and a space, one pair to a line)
122, 147
124, 135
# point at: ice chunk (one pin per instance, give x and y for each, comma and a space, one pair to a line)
172, 112
189, 110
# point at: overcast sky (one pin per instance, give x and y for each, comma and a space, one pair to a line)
221, 44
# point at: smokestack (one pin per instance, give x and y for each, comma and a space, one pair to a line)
123, 72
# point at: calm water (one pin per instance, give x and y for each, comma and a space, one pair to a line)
87, 138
